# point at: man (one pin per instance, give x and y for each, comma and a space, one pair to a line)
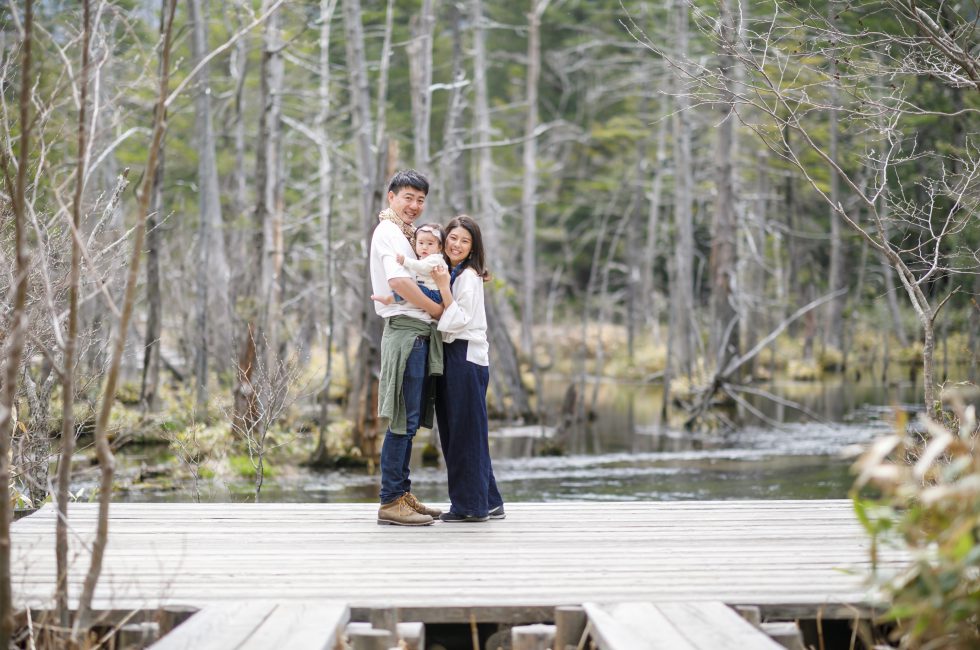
411, 348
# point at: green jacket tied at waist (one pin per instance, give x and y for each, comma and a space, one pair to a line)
396, 345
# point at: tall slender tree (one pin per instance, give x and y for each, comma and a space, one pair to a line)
16, 187
71, 337
683, 325
212, 266
724, 334
508, 384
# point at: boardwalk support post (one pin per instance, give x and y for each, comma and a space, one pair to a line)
570, 621
370, 639
532, 637
787, 635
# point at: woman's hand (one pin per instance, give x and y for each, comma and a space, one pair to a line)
441, 276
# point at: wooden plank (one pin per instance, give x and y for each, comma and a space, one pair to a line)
709, 625
633, 626
217, 627
302, 625
259, 625
713, 625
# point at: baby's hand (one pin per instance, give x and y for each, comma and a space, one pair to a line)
400, 258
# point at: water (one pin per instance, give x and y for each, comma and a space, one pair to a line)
626, 453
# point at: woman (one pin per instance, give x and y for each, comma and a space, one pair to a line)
461, 402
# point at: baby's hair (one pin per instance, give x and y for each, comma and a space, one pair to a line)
434, 229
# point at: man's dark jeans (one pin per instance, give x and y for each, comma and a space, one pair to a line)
396, 452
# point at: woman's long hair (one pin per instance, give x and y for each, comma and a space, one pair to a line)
477, 258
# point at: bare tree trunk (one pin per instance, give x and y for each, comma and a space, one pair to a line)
649, 304
149, 398
239, 69
103, 451
834, 326
271, 199
363, 389
682, 318
420, 77
529, 190
212, 267
974, 334
505, 371
259, 337
485, 200
18, 320
529, 198
724, 335
452, 172
71, 339
325, 178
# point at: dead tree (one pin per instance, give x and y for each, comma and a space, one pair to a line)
212, 268
508, 384
15, 182
724, 259
83, 618
529, 190
372, 165
259, 326
420, 78
784, 115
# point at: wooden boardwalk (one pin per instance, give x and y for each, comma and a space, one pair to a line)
792, 558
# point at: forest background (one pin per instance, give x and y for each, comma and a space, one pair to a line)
698, 194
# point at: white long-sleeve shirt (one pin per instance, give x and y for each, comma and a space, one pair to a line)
387, 242
423, 269
466, 318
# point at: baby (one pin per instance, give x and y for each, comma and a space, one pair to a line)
428, 246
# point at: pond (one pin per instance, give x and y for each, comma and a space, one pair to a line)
625, 453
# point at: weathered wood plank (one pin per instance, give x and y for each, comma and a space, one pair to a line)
302, 625
634, 626
784, 556
217, 627
259, 625
708, 625
714, 626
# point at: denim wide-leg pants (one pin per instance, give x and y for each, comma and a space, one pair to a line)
461, 411
396, 451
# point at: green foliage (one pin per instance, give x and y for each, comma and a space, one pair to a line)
242, 466
928, 502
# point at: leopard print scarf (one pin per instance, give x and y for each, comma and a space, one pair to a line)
407, 229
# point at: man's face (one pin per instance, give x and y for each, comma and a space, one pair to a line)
408, 203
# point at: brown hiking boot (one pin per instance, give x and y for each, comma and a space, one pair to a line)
420, 507
400, 512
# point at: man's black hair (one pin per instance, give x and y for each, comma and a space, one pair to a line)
408, 178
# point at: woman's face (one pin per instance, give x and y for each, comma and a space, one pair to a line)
459, 243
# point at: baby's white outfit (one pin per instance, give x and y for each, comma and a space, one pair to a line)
423, 269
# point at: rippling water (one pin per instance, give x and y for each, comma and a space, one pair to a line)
625, 453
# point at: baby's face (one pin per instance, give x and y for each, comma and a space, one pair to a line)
426, 244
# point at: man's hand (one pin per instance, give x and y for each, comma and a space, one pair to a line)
408, 289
